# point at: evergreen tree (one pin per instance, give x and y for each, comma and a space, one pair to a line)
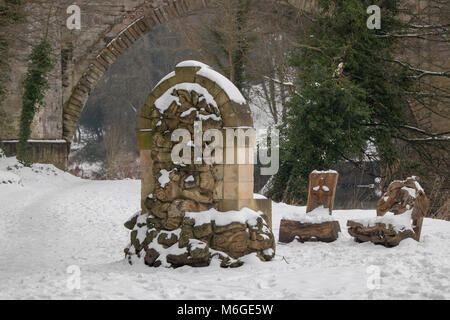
352, 96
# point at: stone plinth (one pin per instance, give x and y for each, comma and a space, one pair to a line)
201, 236
263, 205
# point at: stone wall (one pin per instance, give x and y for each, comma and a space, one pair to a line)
46, 151
47, 123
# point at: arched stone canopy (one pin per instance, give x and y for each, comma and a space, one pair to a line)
234, 113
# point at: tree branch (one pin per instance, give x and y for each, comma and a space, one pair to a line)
422, 72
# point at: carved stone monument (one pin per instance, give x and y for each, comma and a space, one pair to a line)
196, 140
406, 203
317, 224
322, 189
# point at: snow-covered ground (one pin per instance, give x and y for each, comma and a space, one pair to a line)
50, 220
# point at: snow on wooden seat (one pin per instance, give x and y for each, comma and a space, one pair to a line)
317, 224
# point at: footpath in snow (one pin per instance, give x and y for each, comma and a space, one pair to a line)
50, 220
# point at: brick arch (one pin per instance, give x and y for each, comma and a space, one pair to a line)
122, 35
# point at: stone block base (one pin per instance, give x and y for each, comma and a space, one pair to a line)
196, 244
325, 231
378, 234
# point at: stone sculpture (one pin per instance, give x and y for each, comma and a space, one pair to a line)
196, 211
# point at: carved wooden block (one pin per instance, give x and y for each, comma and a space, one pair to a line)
322, 189
378, 234
291, 230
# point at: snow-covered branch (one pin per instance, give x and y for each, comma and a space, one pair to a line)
409, 35
421, 131
289, 85
443, 138
428, 26
422, 72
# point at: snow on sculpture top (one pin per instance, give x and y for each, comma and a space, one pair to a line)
164, 102
233, 93
222, 81
226, 85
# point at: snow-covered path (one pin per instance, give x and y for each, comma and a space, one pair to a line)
54, 220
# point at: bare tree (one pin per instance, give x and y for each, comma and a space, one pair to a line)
423, 48
249, 42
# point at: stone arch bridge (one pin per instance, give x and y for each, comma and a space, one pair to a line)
108, 28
